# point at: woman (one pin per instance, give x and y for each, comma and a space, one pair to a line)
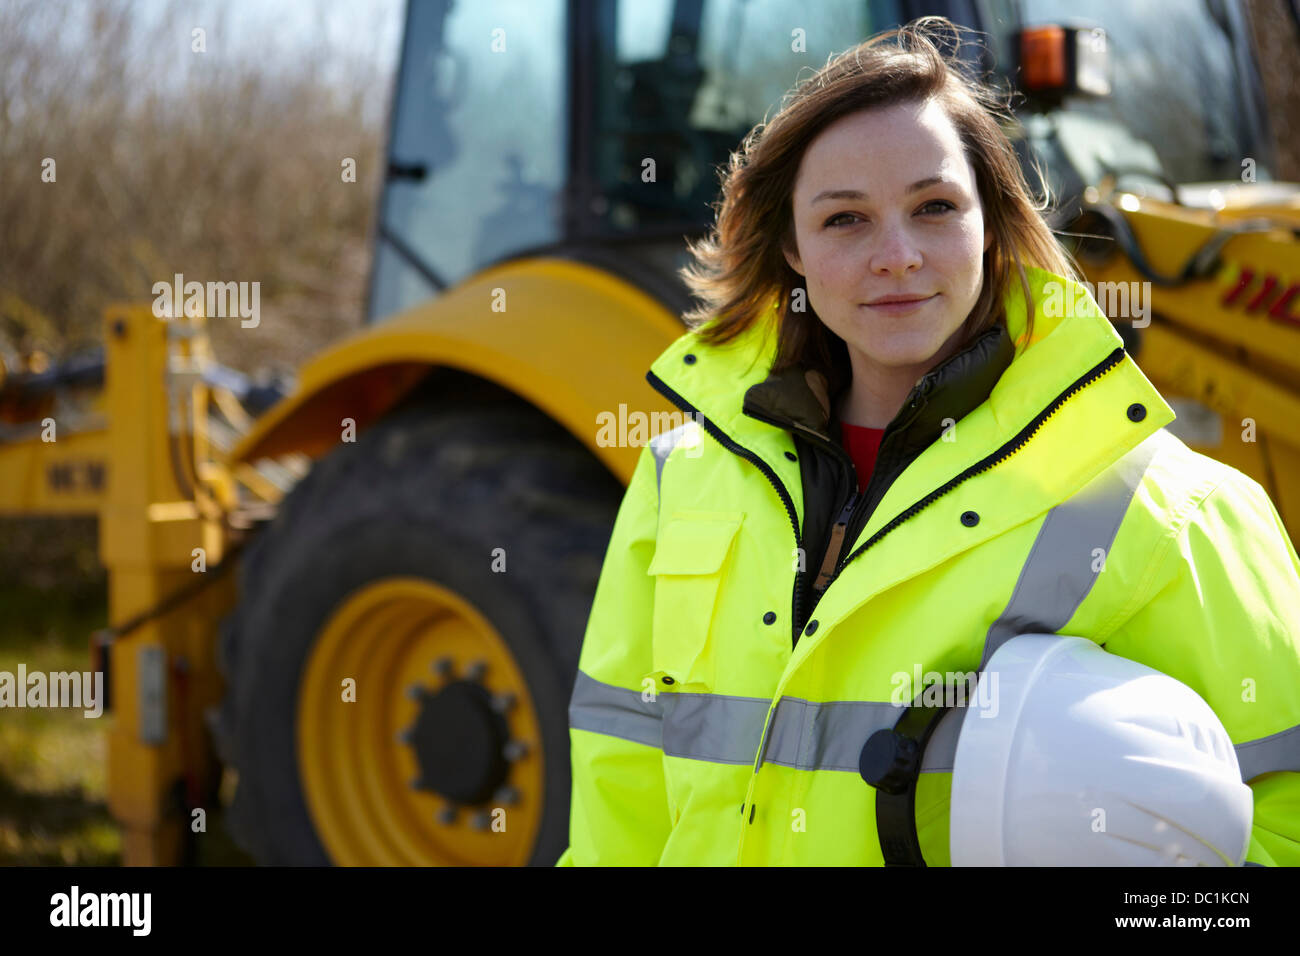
886, 419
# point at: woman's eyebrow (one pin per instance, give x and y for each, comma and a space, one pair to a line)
855, 194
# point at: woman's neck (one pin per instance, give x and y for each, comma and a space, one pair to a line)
876, 393
873, 402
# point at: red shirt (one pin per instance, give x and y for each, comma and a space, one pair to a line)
862, 444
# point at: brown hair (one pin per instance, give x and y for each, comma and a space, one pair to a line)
740, 271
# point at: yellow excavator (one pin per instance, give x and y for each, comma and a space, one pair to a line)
358, 598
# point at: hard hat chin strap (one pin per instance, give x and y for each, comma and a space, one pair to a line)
891, 762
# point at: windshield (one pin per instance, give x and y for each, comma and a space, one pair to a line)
476, 158
679, 84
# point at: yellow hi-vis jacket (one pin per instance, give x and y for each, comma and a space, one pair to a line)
723, 697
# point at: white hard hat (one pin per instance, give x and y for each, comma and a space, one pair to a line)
1090, 759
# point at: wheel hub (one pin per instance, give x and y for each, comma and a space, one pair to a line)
459, 742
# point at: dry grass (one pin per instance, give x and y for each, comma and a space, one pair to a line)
216, 165
52, 762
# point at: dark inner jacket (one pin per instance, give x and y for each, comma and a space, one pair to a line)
797, 400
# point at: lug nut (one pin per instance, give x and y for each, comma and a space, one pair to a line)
481, 820
476, 670
416, 692
406, 736
514, 750
442, 666
447, 815
503, 702
507, 796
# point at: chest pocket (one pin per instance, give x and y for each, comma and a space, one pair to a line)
689, 565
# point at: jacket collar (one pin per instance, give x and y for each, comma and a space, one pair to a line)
799, 398
1067, 449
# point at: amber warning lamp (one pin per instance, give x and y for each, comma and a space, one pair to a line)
1058, 61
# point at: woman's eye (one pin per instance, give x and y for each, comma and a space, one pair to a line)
933, 207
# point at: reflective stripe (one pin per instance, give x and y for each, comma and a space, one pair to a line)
1058, 574
725, 729
713, 727
661, 446
616, 711
1279, 751
808, 735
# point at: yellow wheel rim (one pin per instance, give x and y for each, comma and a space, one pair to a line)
383, 657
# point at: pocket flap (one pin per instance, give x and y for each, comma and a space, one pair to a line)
695, 542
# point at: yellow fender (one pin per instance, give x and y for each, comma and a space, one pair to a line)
571, 339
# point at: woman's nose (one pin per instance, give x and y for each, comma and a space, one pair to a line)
895, 253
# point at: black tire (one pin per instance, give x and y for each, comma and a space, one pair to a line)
428, 492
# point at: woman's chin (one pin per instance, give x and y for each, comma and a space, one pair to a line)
899, 355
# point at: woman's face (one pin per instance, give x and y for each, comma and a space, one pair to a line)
885, 205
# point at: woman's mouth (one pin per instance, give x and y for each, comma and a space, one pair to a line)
899, 306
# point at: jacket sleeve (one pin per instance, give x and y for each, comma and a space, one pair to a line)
619, 813
1225, 620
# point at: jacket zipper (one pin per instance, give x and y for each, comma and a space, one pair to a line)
914, 398
835, 544
918, 394
855, 500
996, 458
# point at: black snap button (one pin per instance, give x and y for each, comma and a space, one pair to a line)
669, 680
970, 519
1136, 412
792, 456
769, 617
689, 358
811, 628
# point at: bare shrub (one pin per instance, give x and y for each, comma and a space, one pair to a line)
222, 165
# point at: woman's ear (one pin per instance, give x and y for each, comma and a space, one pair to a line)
792, 257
